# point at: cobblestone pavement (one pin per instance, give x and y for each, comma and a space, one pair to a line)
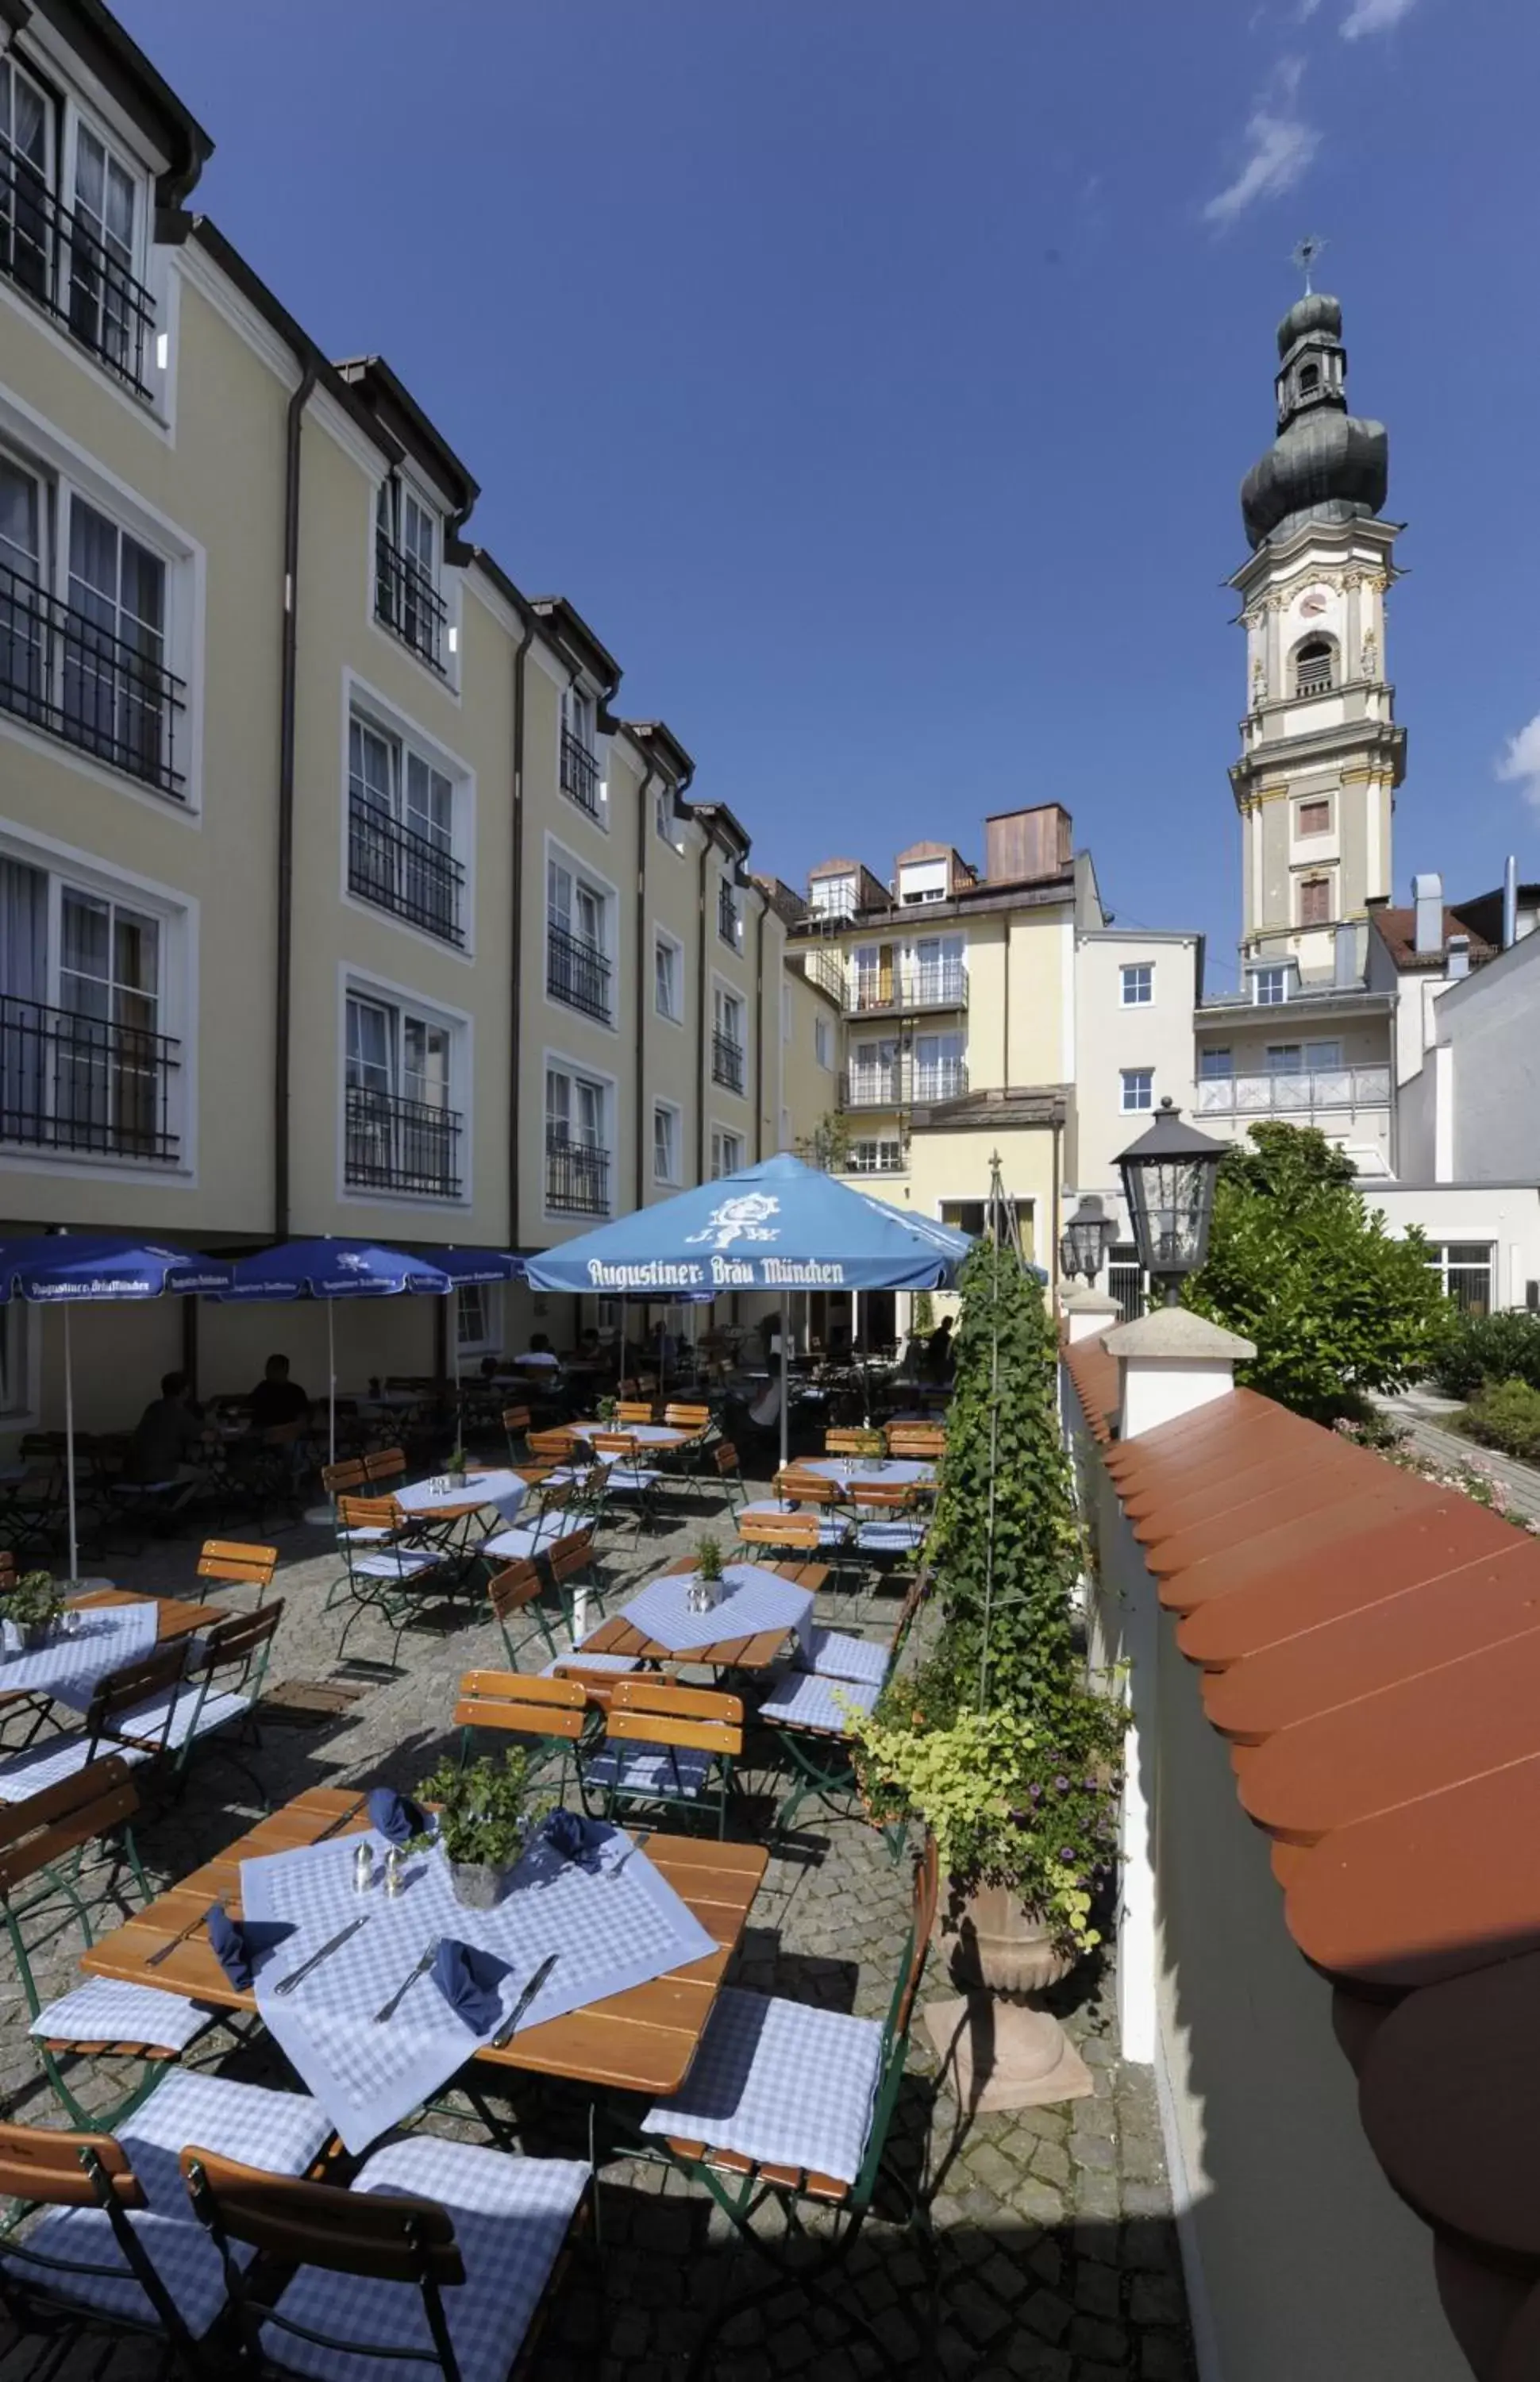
1057, 2258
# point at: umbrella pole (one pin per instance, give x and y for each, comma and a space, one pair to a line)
331, 1382
786, 1334
69, 1447
451, 1325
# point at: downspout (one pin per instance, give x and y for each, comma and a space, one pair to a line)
1053, 1205
653, 773
516, 940
707, 849
287, 708
758, 1037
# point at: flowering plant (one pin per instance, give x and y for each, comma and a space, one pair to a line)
1473, 1477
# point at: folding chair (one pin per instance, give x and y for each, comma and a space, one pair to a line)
625, 1476
119, 2249
384, 1577
439, 2253
634, 1409
43, 1846
235, 1564
666, 1746
923, 1441
150, 1679
515, 1427
730, 1474
788, 2104
576, 1514
796, 1490
553, 1711
888, 1528
847, 1441
833, 1655
220, 1691
695, 1419
772, 1528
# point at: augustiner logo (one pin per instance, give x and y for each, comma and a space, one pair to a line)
739, 1219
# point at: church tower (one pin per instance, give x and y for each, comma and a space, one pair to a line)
1321, 755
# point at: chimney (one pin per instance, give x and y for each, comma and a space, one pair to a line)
1344, 958
1023, 845
1510, 902
1459, 957
1427, 896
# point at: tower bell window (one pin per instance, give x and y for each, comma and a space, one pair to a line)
1310, 379
1313, 666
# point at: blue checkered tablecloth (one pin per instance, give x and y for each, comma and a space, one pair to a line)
104, 1638
612, 1923
869, 1471
755, 1600
502, 1489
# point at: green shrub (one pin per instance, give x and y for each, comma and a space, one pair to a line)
1506, 1415
1481, 1349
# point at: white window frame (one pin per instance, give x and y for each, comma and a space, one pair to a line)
67, 472
579, 1072
487, 1339
413, 487
727, 999
721, 1136
1278, 972
877, 1143
727, 883
1438, 1263
835, 897
406, 999
608, 896
663, 942
1136, 1090
823, 1042
1136, 984
675, 1115
364, 702
177, 918
578, 717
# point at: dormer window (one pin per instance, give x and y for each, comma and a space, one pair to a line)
80, 261
1310, 379
1314, 667
407, 596
580, 765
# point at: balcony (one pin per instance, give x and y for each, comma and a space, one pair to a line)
393, 1143
73, 680
579, 773
48, 254
894, 992
1291, 1095
726, 914
577, 1177
84, 1085
726, 1062
397, 869
575, 972
876, 1157
407, 602
904, 1085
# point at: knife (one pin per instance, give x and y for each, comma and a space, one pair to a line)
296, 1976
525, 1998
165, 1950
334, 1826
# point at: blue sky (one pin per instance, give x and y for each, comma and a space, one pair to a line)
877, 377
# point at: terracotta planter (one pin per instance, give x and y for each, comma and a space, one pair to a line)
998, 1944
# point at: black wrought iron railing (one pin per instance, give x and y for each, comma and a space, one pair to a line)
48, 251
577, 1177
399, 870
579, 773
575, 972
407, 601
726, 914
399, 1145
903, 1084
85, 1084
79, 682
726, 1062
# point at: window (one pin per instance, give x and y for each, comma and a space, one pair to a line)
1125, 1280
1216, 1066
832, 897
1310, 379
668, 965
78, 261
935, 971
1315, 900
923, 880
940, 1069
579, 766
83, 628
407, 596
729, 924
1466, 1270
15, 1385
1138, 987
577, 1142
478, 1319
726, 1041
662, 815
726, 1153
85, 1065
1138, 1084
400, 833
1269, 985
876, 1157
666, 1143
1312, 665
823, 1041
1302, 1057
1314, 818
400, 1132
576, 941
970, 1216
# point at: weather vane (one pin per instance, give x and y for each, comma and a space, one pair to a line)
1304, 257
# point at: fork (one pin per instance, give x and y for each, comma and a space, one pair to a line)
404, 1988
641, 1838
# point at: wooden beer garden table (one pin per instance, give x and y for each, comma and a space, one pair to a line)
174, 1619
617, 1636
641, 2041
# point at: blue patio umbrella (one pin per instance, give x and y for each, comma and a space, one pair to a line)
62, 1268
780, 1226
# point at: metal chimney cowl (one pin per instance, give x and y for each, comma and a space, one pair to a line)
1427, 900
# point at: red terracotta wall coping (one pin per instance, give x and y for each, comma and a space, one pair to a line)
1241, 1472
1231, 1494
1205, 1562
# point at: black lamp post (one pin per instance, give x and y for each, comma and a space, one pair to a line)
1086, 1237
1169, 1176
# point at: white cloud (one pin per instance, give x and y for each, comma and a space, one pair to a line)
1374, 16
1519, 765
1279, 146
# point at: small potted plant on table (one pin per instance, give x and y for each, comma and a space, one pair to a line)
33, 1607
705, 1589
486, 1815
457, 1465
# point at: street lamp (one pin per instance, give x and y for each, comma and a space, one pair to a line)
1086, 1237
1168, 1175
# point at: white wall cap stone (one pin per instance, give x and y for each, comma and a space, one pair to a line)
1169, 1333
1090, 1302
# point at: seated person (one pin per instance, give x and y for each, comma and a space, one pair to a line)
276, 1400
169, 1439
538, 1354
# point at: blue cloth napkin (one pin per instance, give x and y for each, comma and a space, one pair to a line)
573, 1834
469, 1979
239, 1944
396, 1817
